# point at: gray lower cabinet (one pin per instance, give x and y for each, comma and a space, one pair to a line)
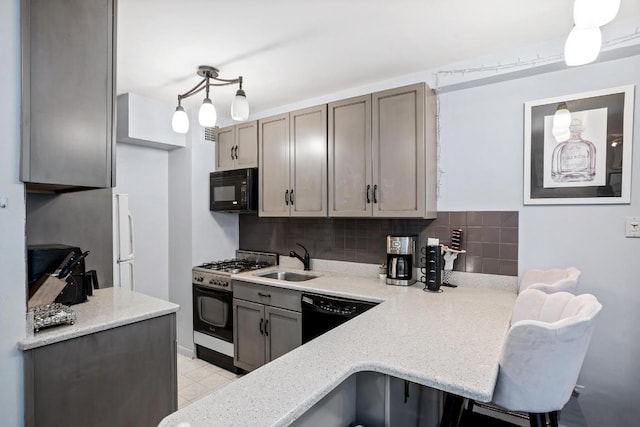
267, 323
125, 376
68, 93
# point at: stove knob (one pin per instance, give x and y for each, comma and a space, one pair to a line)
225, 284
199, 279
212, 282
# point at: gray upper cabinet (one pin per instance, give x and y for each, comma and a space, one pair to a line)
350, 182
273, 136
68, 93
293, 163
382, 154
237, 147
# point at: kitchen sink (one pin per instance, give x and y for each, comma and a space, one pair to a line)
288, 276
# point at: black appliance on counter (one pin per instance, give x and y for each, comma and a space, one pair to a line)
213, 305
234, 191
321, 313
43, 259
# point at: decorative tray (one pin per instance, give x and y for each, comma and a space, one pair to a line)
54, 314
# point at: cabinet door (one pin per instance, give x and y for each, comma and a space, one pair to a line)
248, 335
309, 161
283, 331
68, 96
273, 136
225, 146
246, 151
398, 136
349, 144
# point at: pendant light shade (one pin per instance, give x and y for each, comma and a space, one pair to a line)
207, 116
240, 106
582, 46
180, 120
594, 13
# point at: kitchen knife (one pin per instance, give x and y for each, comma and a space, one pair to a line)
61, 268
69, 268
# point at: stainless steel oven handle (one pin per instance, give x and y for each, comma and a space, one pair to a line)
210, 291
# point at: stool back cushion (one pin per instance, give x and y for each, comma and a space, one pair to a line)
550, 281
544, 350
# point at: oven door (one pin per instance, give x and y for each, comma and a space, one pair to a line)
212, 312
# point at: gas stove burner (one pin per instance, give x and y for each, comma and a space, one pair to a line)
234, 266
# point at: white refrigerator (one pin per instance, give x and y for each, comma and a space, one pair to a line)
124, 274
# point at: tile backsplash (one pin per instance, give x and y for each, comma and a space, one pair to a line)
489, 237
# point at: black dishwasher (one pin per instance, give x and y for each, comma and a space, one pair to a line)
321, 313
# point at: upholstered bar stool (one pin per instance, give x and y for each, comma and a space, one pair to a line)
543, 353
550, 281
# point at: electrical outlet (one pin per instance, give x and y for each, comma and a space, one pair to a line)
632, 228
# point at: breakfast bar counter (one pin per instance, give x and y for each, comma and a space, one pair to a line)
450, 341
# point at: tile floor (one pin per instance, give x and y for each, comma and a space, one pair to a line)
197, 378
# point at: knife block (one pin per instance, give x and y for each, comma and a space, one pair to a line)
45, 290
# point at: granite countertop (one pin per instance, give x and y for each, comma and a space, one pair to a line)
108, 308
450, 341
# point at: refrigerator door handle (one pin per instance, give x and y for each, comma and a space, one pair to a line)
131, 244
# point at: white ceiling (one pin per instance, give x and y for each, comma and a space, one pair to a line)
291, 50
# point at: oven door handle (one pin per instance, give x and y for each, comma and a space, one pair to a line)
214, 292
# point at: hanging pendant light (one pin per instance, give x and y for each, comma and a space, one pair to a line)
180, 120
562, 117
594, 13
240, 106
207, 115
582, 46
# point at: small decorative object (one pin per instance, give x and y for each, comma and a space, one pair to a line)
578, 148
382, 271
45, 316
450, 254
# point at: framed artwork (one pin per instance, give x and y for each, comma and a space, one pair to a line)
590, 161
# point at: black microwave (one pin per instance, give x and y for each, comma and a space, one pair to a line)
234, 191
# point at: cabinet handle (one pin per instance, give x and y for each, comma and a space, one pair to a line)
231, 153
261, 330
291, 197
286, 197
375, 193
266, 326
264, 295
236, 152
406, 391
368, 193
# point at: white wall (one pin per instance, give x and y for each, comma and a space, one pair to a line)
143, 173
482, 156
196, 235
12, 221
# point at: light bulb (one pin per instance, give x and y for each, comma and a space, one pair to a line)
180, 120
240, 106
207, 115
562, 117
594, 13
582, 46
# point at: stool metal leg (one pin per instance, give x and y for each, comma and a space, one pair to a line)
553, 419
452, 410
537, 420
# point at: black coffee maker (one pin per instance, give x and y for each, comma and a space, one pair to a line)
400, 260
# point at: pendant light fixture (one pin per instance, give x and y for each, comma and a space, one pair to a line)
585, 39
207, 116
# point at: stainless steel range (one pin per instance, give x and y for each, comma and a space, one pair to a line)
212, 304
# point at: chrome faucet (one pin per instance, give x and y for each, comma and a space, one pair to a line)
306, 260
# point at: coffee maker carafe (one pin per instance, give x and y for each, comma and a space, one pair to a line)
400, 260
